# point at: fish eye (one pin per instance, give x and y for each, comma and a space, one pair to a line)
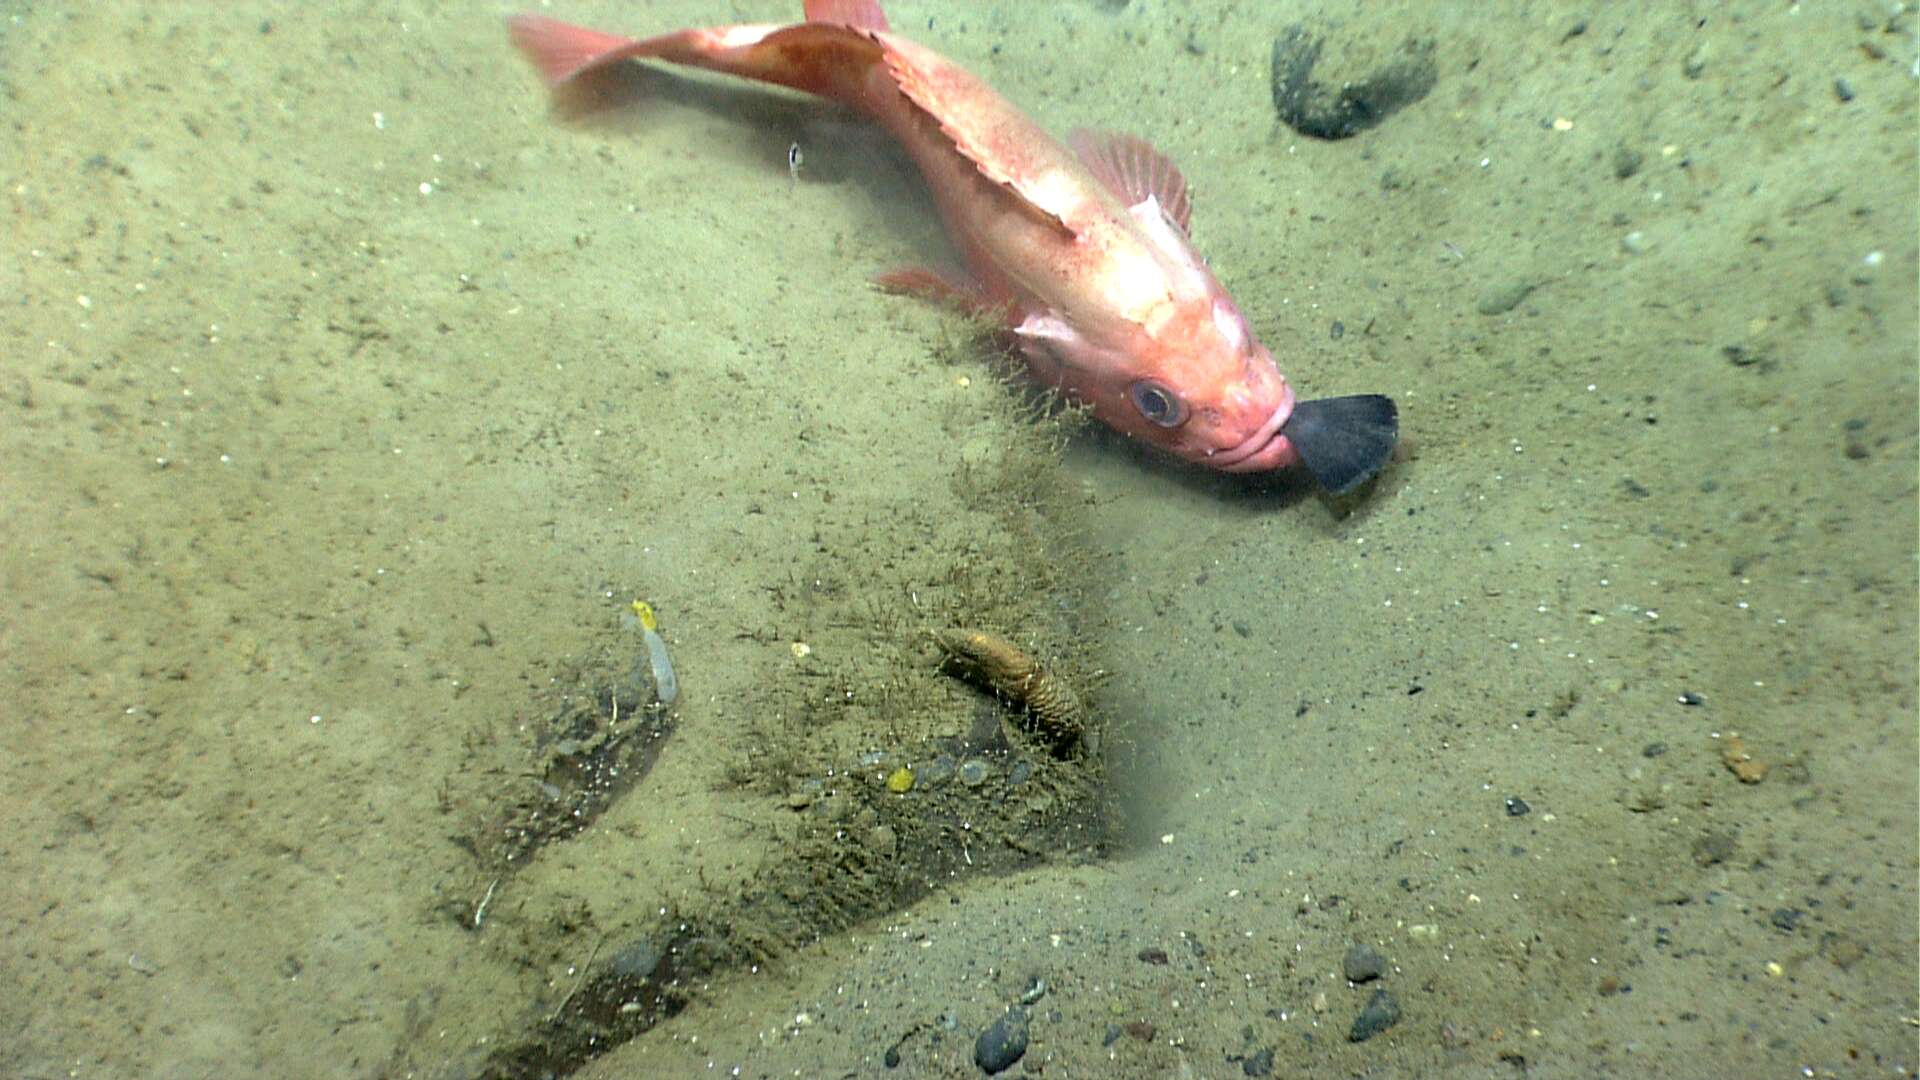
1158, 404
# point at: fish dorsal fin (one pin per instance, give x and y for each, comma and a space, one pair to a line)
859, 14
1131, 168
1000, 141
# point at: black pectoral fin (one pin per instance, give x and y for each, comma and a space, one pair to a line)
1343, 441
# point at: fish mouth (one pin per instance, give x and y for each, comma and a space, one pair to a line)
1265, 449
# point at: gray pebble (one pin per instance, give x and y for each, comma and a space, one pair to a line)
1626, 161
1363, 963
935, 772
1002, 1043
636, 961
974, 772
1381, 1013
1504, 298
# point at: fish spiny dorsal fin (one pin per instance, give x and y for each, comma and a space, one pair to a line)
1007, 147
1131, 168
859, 14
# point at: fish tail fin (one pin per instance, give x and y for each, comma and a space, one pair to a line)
829, 57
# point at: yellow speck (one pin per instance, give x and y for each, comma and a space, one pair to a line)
963, 382
645, 611
1561, 123
1774, 969
900, 781
802, 650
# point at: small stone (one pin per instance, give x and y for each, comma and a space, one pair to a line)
935, 772
1363, 963
1381, 1013
1002, 1043
1634, 243
1504, 298
1787, 919
974, 772
1517, 806
1036, 989
1626, 161
1259, 1064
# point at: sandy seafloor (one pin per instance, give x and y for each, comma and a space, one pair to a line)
346, 394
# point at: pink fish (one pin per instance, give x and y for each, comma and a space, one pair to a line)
1079, 249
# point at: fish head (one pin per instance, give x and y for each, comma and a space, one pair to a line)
1191, 379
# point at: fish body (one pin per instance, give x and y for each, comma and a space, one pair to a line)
1079, 249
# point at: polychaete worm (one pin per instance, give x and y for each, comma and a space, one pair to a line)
991, 661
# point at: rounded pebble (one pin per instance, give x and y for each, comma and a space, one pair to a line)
936, 772
1363, 963
1002, 1043
1381, 1013
974, 772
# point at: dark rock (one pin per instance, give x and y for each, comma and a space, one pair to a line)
1002, 1043
1339, 108
1517, 806
1787, 918
1363, 963
1381, 1013
1260, 1064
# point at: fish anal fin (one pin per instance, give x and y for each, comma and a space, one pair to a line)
859, 14
1133, 169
